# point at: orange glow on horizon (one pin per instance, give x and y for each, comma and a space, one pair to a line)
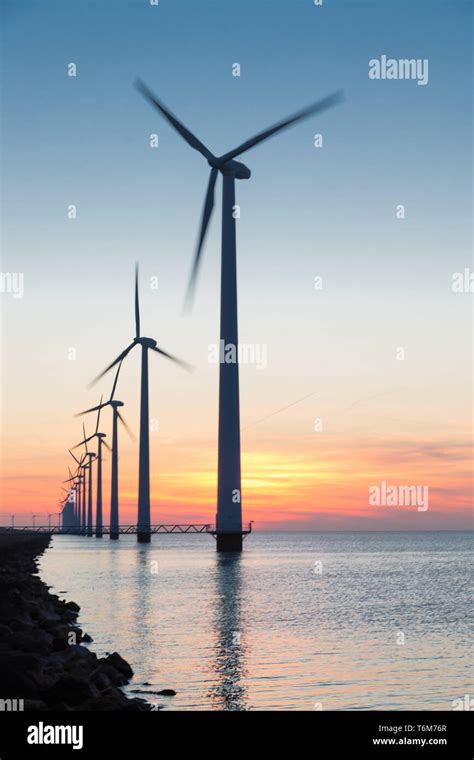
278, 487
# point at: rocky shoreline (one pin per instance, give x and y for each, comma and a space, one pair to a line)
42, 661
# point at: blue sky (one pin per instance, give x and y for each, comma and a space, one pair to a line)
84, 140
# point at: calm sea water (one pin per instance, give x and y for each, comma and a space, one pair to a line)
298, 621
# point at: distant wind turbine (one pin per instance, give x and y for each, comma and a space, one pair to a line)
87, 468
116, 416
84, 470
72, 486
80, 494
98, 507
229, 502
72, 494
147, 344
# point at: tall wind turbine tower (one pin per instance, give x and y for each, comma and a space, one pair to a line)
115, 404
90, 456
229, 492
147, 344
98, 511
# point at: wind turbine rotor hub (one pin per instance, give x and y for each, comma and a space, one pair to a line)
116, 403
234, 169
147, 342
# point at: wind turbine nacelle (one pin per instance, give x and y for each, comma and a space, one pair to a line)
236, 169
147, 342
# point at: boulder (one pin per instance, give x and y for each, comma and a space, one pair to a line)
70, 690
119, 664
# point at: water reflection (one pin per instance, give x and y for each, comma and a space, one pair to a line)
112, 603
228, 692
304, 637
145, 575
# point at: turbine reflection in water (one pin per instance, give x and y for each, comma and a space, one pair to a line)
229, 693
142, 612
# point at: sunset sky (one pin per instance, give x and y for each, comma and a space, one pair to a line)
307, 212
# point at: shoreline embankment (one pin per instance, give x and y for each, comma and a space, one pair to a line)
42, 660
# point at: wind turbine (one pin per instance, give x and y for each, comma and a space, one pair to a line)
100, 442
80, 491
84, 469
72, 493
116, 416
147, 344
229, 502
87, 468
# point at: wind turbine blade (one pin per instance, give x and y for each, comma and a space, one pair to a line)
92, 409
104, 443
73, 456
305, 113
98, 416
119, 358
115, 382
185, 365
206, 216
137, 304
183, 131
130, 432
84, 441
